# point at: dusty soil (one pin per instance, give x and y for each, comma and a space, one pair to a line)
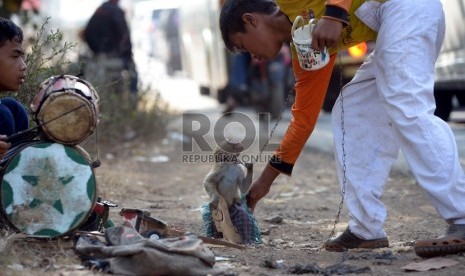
307, 203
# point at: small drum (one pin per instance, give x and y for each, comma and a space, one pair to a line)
47, 189
66, 108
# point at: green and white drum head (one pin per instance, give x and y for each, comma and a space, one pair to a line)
47, 189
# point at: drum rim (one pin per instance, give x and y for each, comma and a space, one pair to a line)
95, 99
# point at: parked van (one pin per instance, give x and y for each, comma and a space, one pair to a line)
203, 53
450, 67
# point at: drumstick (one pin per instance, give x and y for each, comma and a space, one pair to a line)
17, 135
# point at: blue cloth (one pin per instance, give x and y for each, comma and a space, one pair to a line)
239, 71
245, 223
241, 217
13, 117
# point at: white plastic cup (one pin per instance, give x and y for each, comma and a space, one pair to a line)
309, 58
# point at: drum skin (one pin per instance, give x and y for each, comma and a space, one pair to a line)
73, 127
47, 189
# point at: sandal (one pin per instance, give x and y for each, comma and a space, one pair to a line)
349, 240
451, 243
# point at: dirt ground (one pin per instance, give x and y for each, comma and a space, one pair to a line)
152, 176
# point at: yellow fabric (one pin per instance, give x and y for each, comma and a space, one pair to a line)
353, 34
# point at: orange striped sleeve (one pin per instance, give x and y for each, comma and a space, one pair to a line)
311, 87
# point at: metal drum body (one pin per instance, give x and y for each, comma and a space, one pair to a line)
47, 189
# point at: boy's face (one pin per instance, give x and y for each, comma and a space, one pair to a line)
12, 66
259, 39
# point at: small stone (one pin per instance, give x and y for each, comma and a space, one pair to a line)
276, 219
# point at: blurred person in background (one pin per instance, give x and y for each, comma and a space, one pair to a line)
237, 86
107, 34
171, 28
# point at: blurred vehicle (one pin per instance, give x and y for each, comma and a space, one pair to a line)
206, 60
203, 53
155, 30
450, 66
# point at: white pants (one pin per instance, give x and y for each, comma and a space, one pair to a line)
389, 106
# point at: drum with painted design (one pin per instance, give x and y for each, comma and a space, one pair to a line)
47, 189
66, 108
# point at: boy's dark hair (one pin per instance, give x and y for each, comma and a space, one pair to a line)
9, 31
231, 16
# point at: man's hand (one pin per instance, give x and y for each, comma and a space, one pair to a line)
326, 33
259, 189
4, 146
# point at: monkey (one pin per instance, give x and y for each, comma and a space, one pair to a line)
229, 177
